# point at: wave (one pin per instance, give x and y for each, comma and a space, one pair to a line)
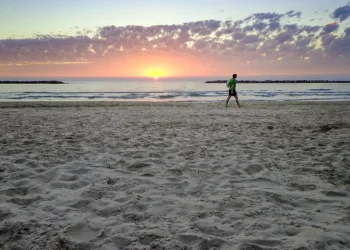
196, 96
321, 89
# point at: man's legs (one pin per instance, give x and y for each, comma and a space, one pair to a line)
236, 97
228, 98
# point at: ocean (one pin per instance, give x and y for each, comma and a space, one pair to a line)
169, 90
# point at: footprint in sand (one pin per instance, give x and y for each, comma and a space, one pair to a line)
254, 168
47, 176
25, 201
196, 242
118, 243
81, 231
5, 214
138, 166
68, 177
17, 191
134, 217
334, 194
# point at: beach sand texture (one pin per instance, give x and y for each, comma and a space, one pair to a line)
175, 176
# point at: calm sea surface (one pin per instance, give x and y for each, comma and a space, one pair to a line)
175, 90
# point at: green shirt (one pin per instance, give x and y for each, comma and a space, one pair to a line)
232, 84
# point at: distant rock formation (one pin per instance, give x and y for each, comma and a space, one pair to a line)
280, 81
217, 81
32, 82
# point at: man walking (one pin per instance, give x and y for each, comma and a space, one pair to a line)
232, 90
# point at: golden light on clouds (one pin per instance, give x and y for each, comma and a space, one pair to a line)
333, 23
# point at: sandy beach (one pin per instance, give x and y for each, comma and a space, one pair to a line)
105, 175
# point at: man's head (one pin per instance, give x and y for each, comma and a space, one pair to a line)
234, 76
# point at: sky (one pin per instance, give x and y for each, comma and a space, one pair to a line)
166, 38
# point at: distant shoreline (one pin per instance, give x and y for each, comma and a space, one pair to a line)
280, 81
32, 82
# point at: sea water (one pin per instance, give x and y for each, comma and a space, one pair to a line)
168, 90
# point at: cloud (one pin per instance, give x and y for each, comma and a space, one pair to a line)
342, 13
292, 28
327, 40
347, 31
273, 17
250, 39
274, 26
303, 42
259, 26
285, 36
329, 28
340, 46
238, 35
293, 13
310, 29
261, 37
337, 46
46, 49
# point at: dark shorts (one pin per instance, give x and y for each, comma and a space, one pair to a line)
232, 92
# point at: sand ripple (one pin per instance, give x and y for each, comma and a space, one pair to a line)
175, 176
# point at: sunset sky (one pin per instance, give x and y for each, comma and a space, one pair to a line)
126, 38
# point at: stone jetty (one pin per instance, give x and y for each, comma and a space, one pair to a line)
280, 81
32, 82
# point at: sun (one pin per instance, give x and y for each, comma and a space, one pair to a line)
155, 73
